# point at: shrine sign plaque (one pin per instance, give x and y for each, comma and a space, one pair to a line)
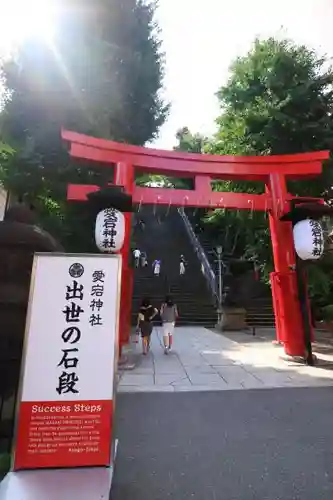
66, 399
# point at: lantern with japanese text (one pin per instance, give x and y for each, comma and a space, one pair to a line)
308, 239
110, 230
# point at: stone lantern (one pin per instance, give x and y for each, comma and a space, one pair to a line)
20, 238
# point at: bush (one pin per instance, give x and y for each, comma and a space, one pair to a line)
4, 464
328, 312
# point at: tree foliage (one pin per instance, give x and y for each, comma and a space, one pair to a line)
102, 76
277, 97
278, 100
188, 142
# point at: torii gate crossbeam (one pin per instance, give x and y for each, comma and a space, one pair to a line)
183, 198
273, 171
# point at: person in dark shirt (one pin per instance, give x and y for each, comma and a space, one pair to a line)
146, 315
144, 261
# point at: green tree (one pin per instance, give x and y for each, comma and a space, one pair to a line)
278, 100
188, 142
102, 75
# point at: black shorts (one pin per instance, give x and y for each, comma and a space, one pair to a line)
146, 328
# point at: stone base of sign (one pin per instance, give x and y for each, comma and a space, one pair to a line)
129, 359
85, 483
232, 319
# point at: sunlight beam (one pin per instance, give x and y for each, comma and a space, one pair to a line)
23, 19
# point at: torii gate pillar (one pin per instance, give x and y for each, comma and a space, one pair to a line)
289, 329
124, 176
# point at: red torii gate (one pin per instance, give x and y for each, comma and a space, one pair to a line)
273, 171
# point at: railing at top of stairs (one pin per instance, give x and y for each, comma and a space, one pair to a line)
205, 265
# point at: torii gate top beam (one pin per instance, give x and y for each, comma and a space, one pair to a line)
203, 168
174, 163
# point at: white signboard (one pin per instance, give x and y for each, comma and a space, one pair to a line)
69, 362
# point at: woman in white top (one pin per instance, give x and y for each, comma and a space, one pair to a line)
169, 315
182, 265
137, 254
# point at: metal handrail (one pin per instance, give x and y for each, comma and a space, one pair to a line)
205, 265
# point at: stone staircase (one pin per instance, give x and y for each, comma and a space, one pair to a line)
244, 290
164, 237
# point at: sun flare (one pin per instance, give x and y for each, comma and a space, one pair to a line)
21, 19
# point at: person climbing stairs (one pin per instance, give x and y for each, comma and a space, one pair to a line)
164, 238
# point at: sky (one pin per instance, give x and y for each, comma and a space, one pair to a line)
202, 37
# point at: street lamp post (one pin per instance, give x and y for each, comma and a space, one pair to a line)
219, 260
218, 251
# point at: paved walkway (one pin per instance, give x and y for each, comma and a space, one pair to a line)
205, 360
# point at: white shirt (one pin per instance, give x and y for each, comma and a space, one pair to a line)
137, 253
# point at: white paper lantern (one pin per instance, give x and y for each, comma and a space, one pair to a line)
308, 239
110, 230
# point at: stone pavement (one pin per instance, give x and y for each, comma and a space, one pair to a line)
204, 360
